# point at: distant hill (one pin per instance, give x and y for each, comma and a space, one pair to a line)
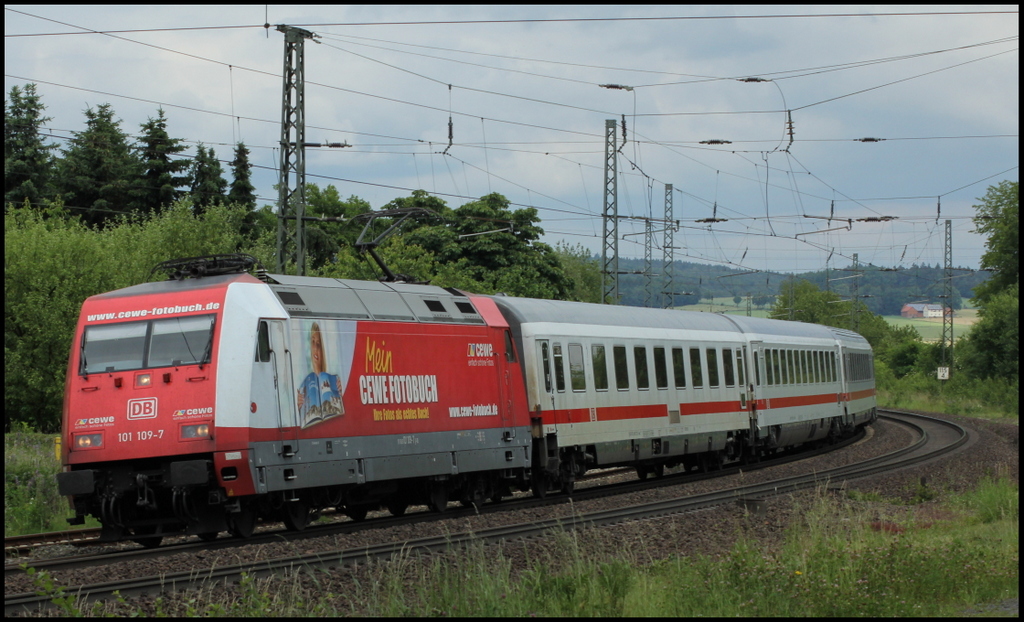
888, 290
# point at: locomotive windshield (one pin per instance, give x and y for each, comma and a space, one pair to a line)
142, 345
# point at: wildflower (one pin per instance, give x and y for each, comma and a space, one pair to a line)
798, 572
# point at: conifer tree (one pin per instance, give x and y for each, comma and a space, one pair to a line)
208, 183
100, 173
242, 190
164, 175
28, 161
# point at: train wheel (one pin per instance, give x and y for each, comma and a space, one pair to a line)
356, 512
295, 515
438, 497
209, 536
243, 523
641, 473
150, 541
540, 485
397, 507
659, 471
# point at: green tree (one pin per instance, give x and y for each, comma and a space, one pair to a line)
583, 269
500, 247
163, 174
998, 220
28, 161
802, 301
53, 262
99, 173
208, 183
242, 191
325, 239
992, 347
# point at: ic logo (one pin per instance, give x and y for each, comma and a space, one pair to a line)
142, 408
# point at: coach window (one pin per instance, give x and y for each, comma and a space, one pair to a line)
660, 369
769, 369
812, 358
678, 368
801, 366
780, 366
788, 368
640, 360
730, 380
556, 350
600, 367
695, 368
577, 376
834, 377
712, 355
621, 368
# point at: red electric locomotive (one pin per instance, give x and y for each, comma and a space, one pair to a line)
197, 404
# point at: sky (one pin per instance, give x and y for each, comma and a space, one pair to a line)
523, 88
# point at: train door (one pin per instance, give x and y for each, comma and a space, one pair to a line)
752, 368
546, 380
505, 407
270, 400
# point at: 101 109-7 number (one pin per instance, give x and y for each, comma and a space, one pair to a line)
144, 435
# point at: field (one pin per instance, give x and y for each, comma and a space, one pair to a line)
931, 328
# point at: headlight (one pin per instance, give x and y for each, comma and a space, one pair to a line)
190, 432
143, 380
88, 441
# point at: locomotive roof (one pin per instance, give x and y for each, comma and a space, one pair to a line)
304, 296
528, 310
182, 285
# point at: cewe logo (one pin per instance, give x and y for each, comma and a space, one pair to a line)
480, 349
142, 408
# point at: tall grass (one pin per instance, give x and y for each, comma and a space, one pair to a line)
832, 563
988, 398
31, 501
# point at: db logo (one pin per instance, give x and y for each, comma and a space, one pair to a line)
142, 408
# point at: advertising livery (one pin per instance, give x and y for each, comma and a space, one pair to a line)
205, 402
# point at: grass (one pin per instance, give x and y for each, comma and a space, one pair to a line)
935, 569
31, 501
984, 398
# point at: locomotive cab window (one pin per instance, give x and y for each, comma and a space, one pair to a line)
263, 343
142, 345
510, 351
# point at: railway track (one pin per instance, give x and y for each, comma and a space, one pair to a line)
934, 438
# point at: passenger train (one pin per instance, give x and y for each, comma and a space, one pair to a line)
205, 402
